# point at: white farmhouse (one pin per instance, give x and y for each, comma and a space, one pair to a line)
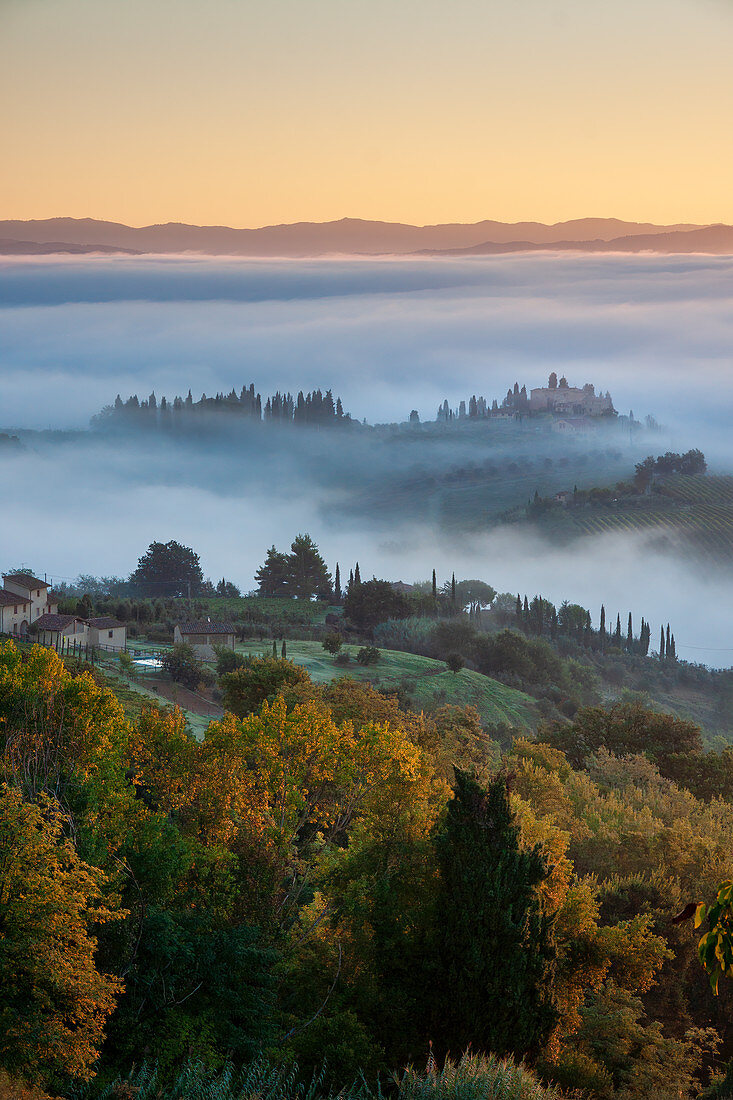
28, 606
23, 600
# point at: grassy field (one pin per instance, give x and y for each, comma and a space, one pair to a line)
426, 681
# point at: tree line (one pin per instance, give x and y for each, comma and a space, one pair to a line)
315, 407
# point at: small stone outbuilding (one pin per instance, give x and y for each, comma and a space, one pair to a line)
204, 635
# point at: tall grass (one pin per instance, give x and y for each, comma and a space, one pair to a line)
261, 1080
474, 1077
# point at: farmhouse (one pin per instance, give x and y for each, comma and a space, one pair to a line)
53, 629
23, 600
107, 633
204, 635
28, 606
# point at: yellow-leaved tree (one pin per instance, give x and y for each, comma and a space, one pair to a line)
54, 1001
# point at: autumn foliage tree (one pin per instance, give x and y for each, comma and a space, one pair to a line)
55, 1002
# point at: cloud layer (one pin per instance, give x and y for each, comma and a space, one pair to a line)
388, 336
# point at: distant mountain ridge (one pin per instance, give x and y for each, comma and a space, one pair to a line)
354, 236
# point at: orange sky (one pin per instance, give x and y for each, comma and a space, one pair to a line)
249, 112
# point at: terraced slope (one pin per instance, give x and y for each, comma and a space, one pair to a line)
697, 510
426, 681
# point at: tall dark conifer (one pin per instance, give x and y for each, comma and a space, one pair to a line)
337, 584
661, 643
496, 957
357, 575
435, 586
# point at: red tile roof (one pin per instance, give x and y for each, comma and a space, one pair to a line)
6, 598
25, 579
206, 627
55, 622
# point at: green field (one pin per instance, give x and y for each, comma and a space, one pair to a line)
427, 682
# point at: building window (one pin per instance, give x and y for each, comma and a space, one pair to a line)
15, 609
111, 634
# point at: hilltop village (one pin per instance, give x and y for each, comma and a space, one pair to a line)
567, 409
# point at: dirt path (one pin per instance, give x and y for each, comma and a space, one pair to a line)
188, 700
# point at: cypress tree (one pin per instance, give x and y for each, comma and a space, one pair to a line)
337, 584
357, 575
284, 650
629, 636
661, 643
493, 988
617, 638
553, 623
274, 648
525, 615
518, 609
435, 586
453, 588
351, 578
673, 651
668, 649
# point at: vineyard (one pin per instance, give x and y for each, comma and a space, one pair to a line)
695, 510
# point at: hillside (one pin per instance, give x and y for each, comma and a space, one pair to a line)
425, 681
694, 510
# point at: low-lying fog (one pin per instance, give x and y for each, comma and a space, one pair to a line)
388, 336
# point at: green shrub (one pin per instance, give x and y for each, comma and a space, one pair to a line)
182, 666
368, 655
227, 660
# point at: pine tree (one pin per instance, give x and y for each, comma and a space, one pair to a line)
307, 572
337, 584
493, 939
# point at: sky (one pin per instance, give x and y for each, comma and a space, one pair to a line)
254, 112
